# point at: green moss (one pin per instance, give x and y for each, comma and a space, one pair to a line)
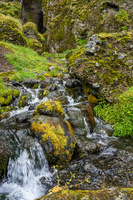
34, 44
11, 30
55, 134
28, 64
16, 93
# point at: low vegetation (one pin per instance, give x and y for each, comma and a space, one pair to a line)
119, 114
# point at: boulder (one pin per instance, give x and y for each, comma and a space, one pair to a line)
54, 133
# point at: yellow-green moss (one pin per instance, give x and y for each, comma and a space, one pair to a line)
16, 93
5, 100
52, 107
54, 133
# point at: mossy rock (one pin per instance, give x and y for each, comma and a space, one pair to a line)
57, 138
23, 100
105, 73
31, 32
6, 100
50, 108
58, 193
11, 30
16, 93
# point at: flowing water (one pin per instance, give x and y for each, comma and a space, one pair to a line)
28, 173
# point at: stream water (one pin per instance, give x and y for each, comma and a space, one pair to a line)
29, 175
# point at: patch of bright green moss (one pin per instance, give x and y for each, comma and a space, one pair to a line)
119, 114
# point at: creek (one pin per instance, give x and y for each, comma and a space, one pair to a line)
105, 160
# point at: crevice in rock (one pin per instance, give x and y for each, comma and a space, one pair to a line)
111, 5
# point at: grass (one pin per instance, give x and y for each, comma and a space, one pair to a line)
119, 114
28, 64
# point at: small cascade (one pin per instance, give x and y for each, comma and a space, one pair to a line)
28, 176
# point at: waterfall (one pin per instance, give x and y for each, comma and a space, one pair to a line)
28, 175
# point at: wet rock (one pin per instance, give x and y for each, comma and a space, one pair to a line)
15, 83
77, 121
108, 129
72, 83
87, 147
23, 99
44, 84
50, 108
6, 149
31, 83
42, 93
24, 117
52, 87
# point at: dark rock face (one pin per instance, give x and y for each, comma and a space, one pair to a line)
32, 11
72, 83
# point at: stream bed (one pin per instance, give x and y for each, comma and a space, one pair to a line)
105, 160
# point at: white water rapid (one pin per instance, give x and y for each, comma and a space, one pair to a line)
28, 176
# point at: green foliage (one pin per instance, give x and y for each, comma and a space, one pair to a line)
122, 16
119, 114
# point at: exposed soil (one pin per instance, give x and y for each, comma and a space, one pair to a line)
4, 64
